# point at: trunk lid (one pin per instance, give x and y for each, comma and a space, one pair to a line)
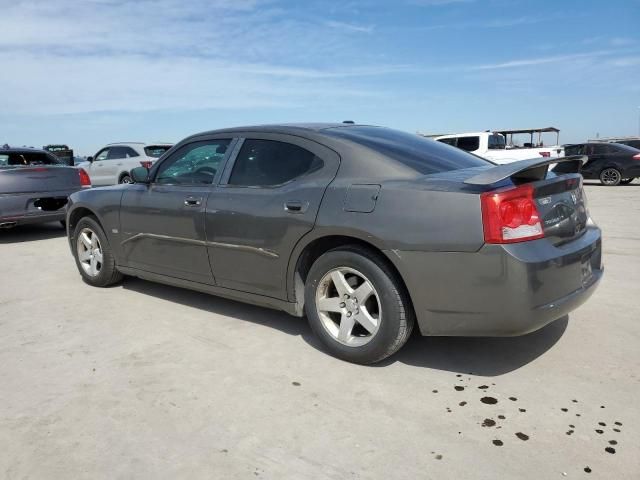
43, 178
562, 206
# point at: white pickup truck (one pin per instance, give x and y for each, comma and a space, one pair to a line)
501, 146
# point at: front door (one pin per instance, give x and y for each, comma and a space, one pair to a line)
98, 167
267, 200
162, 224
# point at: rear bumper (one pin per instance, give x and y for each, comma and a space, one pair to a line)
23, 208
501, 290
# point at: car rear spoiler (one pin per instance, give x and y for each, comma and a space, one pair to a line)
526, 170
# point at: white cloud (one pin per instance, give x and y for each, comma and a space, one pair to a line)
73, 56
350, 26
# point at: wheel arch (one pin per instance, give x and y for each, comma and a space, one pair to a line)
310, 249
122, 174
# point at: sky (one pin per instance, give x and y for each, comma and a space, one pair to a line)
91, 72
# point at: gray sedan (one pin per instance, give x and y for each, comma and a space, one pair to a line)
364, 229
35, 186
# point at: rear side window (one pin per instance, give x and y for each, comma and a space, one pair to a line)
497, 142
601, 149
421, 154
156, 151
17, 159
448, 141
269, 163
468, 144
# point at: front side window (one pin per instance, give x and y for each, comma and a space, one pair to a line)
193, 164
102, 154
268, 163
468, 144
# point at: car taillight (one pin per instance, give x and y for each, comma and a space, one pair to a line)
85, 181
146, 164
510, 216
636, 157
545, 154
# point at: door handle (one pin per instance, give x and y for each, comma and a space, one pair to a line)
295, 206
192, 201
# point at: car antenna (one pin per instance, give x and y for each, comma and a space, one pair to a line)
350, 122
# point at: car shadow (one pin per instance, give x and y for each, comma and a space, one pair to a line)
26, 233
485, 356
222, 306
468, 355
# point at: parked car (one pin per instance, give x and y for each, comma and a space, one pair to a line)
365, 229
611, 163
63, 152
500, 147
113, 164
35, 186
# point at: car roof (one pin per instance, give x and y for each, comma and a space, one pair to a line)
23, 150
467, 134
284, 128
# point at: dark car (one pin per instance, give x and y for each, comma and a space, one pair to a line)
365, 229
611, 163
63, 152
35, 186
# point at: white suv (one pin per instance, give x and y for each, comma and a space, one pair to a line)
114, 162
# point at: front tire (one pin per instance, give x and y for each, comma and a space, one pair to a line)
610, 177
357, 306
627, 181
93, 255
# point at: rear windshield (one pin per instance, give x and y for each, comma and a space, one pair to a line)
423, 155
156, 151
15, 159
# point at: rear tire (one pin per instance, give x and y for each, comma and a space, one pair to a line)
610, 177
361, 330
93, 255
126, 179
626, 181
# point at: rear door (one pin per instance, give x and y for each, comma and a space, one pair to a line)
162, 224
267, 200
117, 161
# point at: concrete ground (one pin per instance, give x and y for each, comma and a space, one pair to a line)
149, 381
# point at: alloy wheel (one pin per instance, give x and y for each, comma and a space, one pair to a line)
610, 176
89, 252
348, 306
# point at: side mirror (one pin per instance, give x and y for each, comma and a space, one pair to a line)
89, 159
140, 175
